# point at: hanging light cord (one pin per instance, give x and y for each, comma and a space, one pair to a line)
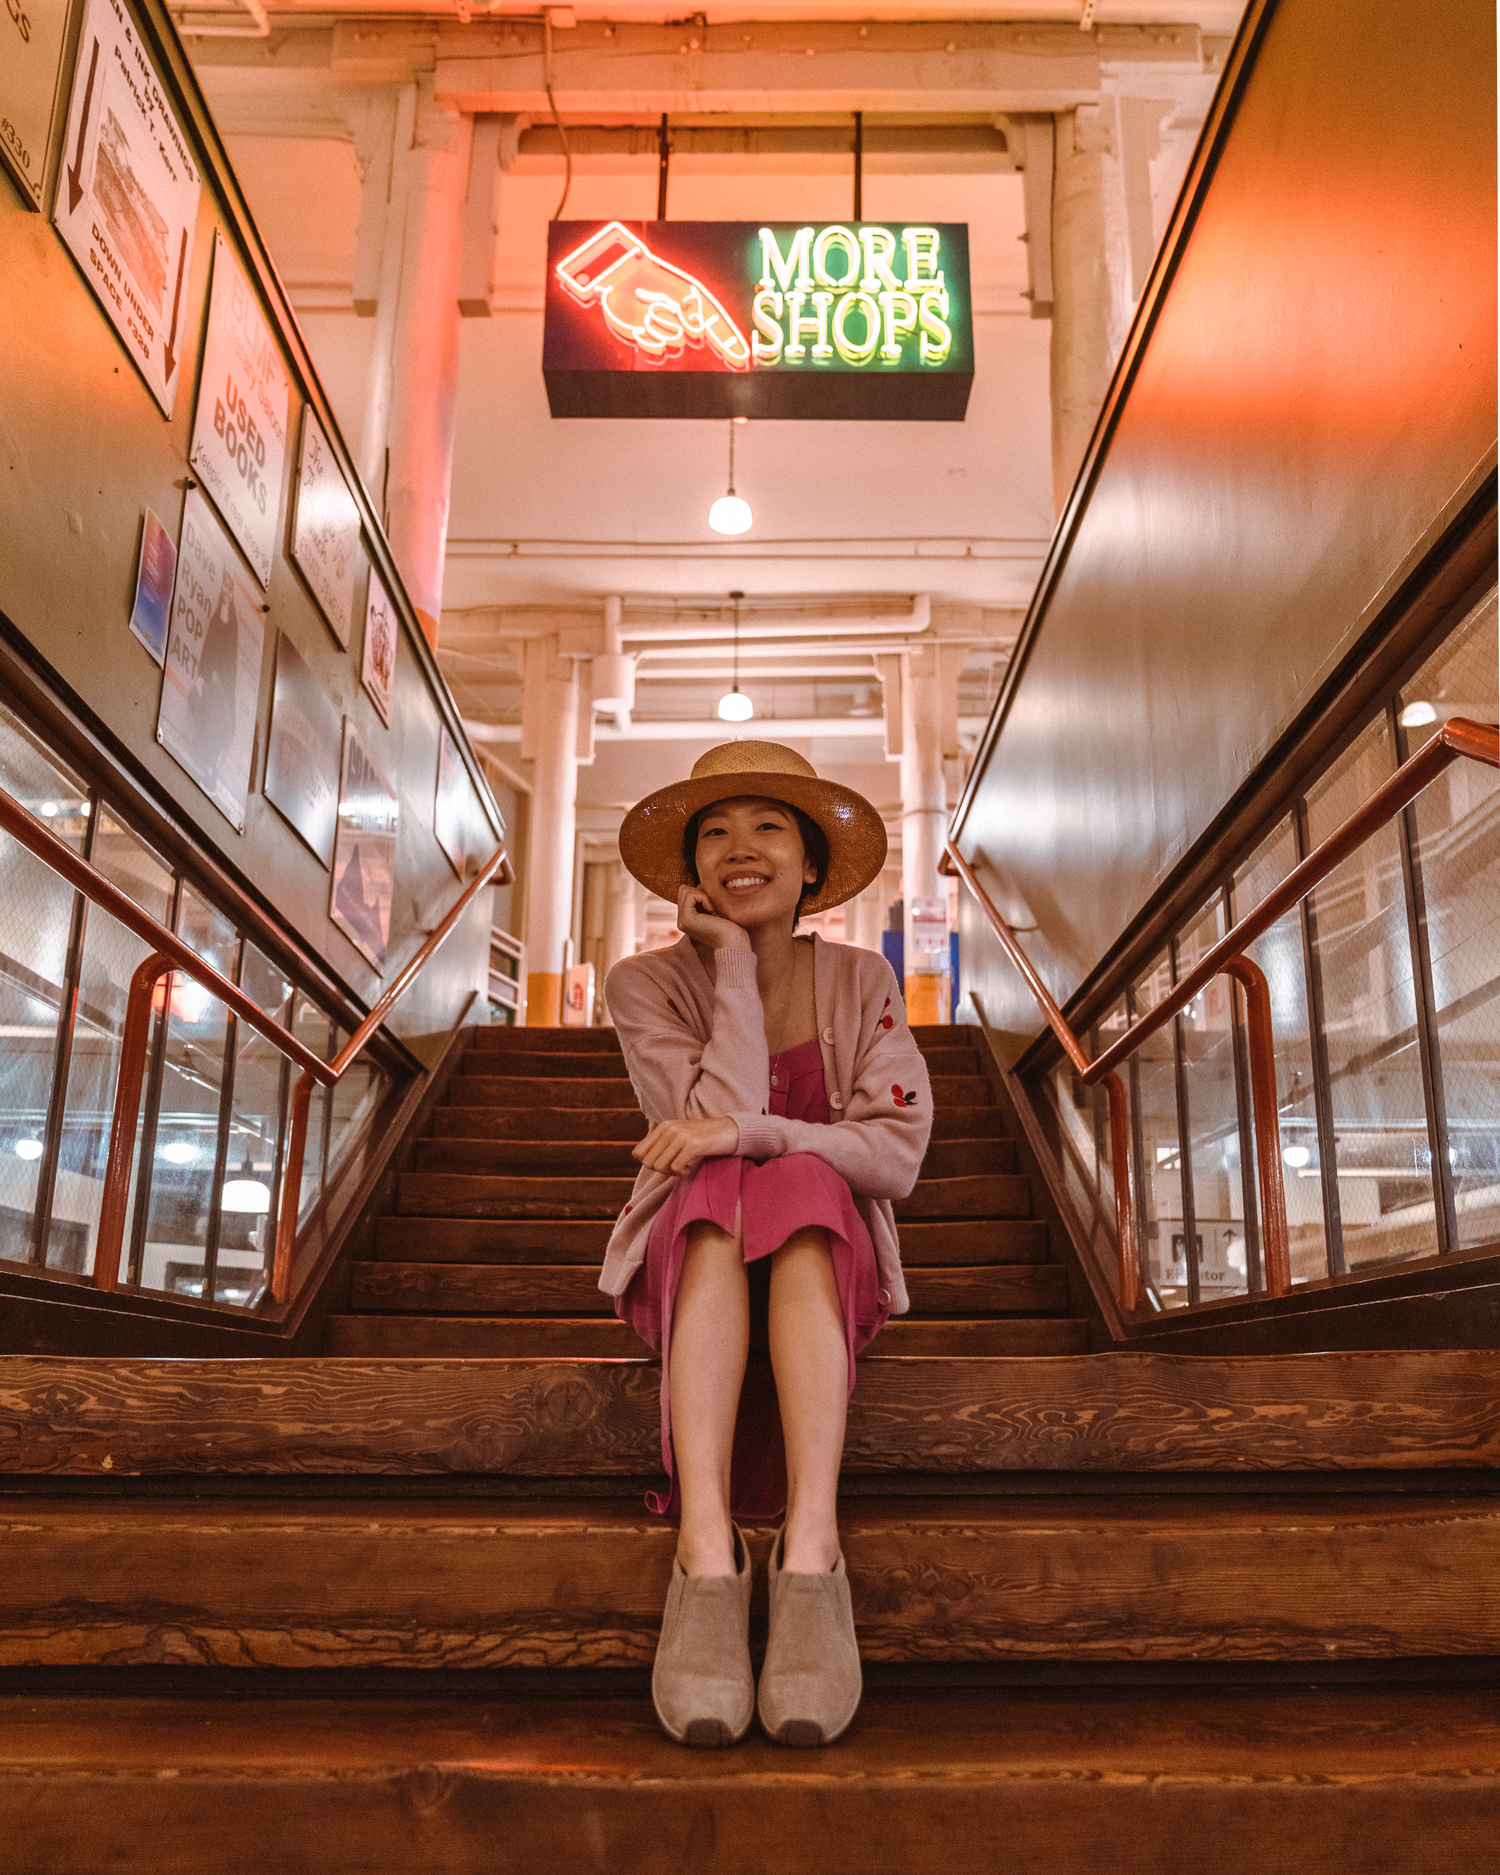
731, 455
557, 121
735, 596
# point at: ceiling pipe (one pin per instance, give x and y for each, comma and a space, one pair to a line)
612, 676
672, 631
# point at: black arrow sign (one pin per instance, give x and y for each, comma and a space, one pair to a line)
176, 302
75, 174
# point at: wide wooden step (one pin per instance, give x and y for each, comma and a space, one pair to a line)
961, 1091
553, 1123
487, 1090
1405, 1411
1243, 1780
492, 1240
538, 1158
545, 1123
501, 1039
599, 1338
1001, 1196
983, 1240
458, 1583
570, 1289
495, 1240
544, 1064
455, 1194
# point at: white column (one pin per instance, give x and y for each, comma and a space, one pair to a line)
866, 916
924, 817
407, 450
622, 907
1091, 296
549, 738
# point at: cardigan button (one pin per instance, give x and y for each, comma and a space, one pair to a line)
828, 1037
836, 1100
883, 1295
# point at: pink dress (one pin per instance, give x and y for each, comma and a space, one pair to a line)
769, 1201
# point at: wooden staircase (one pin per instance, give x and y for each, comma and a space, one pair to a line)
395, 1608
501, 1225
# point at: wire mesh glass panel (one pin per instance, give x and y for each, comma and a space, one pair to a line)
1153, 1100
110, 956
1361, 949
183, 1110
257, 1120
1280, 955
36, 915
1211, 1120
1456, 849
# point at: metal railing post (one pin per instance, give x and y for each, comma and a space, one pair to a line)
1127, 1234
133, 1041
1266, 1122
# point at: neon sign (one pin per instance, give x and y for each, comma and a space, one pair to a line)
713, 319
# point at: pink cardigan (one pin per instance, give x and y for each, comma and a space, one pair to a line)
697, 1049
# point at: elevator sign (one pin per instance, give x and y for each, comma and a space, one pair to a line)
845, 320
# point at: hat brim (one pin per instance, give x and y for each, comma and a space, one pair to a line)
652, 832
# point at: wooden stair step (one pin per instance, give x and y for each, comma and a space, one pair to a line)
487, 1090
968, 1123
529, 1158
604, 1338
455, 1194
1004, 1195
491, 1240
540, 1158
1409, 1411
456, 1583
973, 1241
503, 1039
1244, 1779
549, 1123
953, 1063
961, 1091
569, 1289
544, 1065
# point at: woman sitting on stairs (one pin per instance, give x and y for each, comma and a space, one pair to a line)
758, 1252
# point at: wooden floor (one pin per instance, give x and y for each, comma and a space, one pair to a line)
393, 1608
1337, 1781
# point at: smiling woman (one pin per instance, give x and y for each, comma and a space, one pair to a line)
758, 1251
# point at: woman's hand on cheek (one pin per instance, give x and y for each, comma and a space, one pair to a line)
697, 918
678, 1146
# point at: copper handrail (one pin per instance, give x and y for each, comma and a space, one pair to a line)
1127, 1246
1457, 738
170, 953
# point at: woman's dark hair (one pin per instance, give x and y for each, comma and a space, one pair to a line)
814, 845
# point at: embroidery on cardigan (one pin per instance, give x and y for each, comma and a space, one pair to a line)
907, 1099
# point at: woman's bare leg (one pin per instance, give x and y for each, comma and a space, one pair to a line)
810, 1359
710, 1344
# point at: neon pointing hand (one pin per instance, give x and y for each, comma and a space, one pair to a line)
658, 308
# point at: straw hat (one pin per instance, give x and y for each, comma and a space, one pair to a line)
652, 832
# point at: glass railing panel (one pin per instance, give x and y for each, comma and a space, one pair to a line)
1456, 852
36, 916
1211, 1120
109, 958
257, 1121
1153, 1100
316, 1031
1280, 954
353, 1104
182, 1112
1361, 948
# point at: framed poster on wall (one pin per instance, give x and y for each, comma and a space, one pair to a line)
33, 36
377, 667
211, 685
364, 854
127, 200
302, 752
325, 529
239, 427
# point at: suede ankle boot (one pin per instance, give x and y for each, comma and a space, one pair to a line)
810, 1685
702, 1685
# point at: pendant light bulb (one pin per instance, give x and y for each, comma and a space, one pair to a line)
734, 705
730, 514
